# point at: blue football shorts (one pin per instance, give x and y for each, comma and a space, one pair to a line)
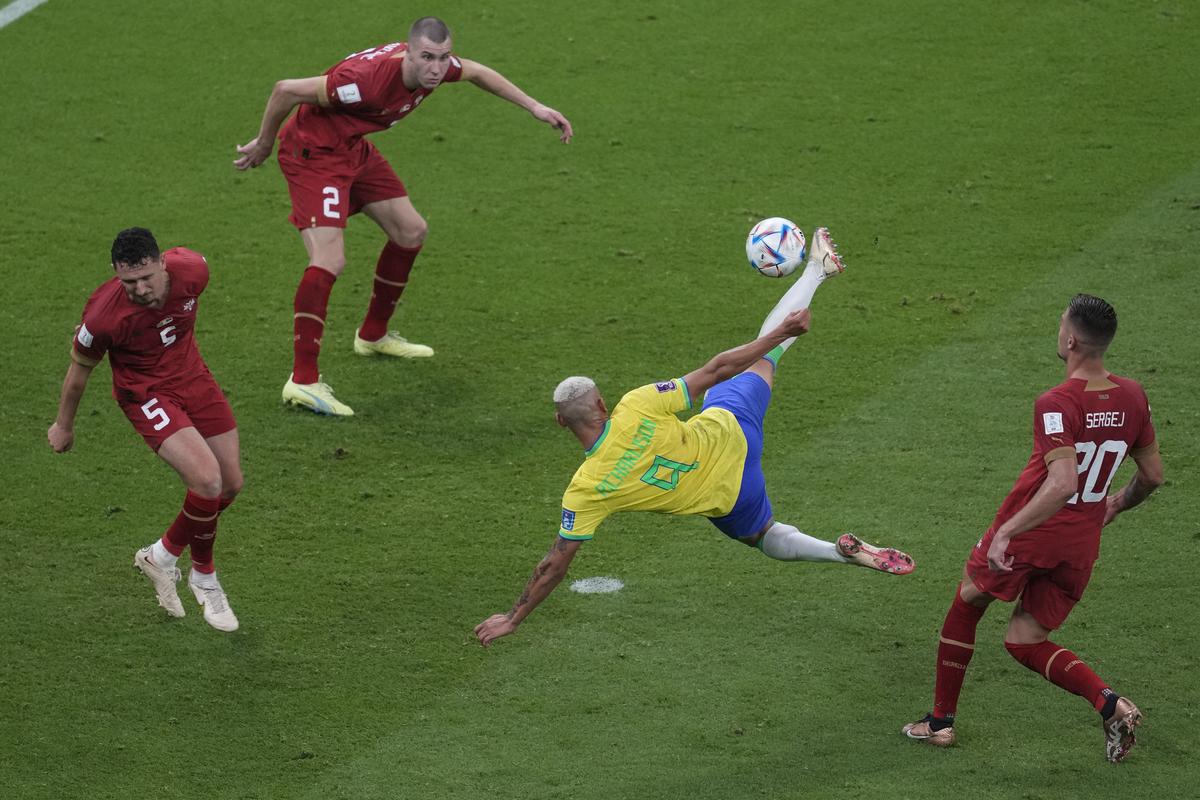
747, 396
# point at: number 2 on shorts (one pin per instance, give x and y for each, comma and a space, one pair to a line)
153, 413
332, 198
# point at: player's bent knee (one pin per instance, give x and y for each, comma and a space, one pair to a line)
412, 234
206, 483
1024, 653
406, 229
330, 262
232, 487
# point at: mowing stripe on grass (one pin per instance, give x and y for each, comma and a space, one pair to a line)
17, 9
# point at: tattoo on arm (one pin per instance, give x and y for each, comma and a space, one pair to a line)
538, 573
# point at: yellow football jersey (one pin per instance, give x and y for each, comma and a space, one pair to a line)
646, 459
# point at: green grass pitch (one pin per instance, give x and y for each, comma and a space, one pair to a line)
978, 162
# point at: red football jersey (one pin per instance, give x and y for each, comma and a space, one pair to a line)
1098, 423
366, 94
147, 348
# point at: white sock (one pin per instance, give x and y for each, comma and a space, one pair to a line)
161, 556
785, 543
798, 297
205, 580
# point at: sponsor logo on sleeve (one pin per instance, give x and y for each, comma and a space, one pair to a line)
568, 521
1052, 422
85, 336
665, 386
349, 93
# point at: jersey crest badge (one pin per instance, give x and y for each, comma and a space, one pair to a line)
84, 336
665, 386
568, 520
349, 93
1052, 422
189, 304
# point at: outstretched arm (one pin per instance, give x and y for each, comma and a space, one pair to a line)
488, 79
286, 95
62, 433
1149, 476
548, 574
724, 366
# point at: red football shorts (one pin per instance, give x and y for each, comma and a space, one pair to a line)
200, 405
327, 188
1048, 593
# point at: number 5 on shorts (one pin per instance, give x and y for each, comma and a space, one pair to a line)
332, 198
153, 413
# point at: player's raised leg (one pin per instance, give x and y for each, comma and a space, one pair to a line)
785, 542
823, 262
327, 258
406, 231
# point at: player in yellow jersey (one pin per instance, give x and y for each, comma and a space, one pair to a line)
643, 458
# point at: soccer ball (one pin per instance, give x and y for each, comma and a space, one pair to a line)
775, 247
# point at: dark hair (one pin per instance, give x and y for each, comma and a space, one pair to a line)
1094, 319
133, 246
430, 28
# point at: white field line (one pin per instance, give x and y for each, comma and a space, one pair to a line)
17, 9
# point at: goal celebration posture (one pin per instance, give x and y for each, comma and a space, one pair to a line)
643, 458
144, 319
333, 173
1042, 545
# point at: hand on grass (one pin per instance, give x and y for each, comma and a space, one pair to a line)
493, 628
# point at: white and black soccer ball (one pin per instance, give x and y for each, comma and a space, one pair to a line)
775, 247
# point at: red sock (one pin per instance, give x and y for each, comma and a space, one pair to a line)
308, 324
198, 517
955, 649
391, 276
1061, 667
202, 543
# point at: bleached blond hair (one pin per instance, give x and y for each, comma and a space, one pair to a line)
574, 398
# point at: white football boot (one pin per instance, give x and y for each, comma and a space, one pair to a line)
825, 253
211, 597
164, 580
316, 397
392, 344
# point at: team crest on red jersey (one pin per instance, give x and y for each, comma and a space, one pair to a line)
189, 304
